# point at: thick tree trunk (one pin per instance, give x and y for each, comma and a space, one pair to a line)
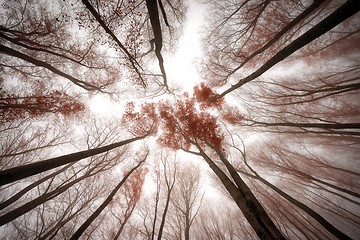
8, 217
345, 11
17, 173
249, 196
247, 207
155, 24
93, 216
21, 193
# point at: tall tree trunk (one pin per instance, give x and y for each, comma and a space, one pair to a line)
322, 221
345, 11
157, 198
162, 224
106, 202
21, 193
41, 199
246, 207
155, 24
36, 62
126, 218
299, 18
187, 224
170, 187
248, 204
17, 173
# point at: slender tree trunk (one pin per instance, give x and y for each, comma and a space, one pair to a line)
187, 224
299, 18
162, 224
156, 208
17, 173
322, 221
93, 216
36, 62
345, 11
126, 218
21, 193
311, 125
8, 217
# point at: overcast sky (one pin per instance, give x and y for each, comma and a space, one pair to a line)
180, 67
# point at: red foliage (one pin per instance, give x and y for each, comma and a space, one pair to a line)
206, 97
133, 186
131, 190
143, 121
14, 107
182, 123
232, 115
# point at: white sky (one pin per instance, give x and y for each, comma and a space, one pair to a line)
180, 68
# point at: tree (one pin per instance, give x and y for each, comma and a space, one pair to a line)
13, 174
184, 126
341, 14
321, 220
106, 202
273, 127
217, 223
14, 107
187, 200
132, 192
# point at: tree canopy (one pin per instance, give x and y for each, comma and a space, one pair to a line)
265, 144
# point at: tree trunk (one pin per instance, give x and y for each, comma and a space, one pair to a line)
256, 206
17, 173
345, 11
156, 207
247, 207
162, 224
8, 217
18, 195
187, 224
126, 218
93, 216
155, 24
36, 62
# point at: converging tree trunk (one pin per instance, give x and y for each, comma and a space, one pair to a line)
17, 173
338, 16
246, 201
106, 202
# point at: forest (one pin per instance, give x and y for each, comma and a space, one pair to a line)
103, 135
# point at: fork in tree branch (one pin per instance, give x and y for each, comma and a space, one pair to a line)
155, 23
